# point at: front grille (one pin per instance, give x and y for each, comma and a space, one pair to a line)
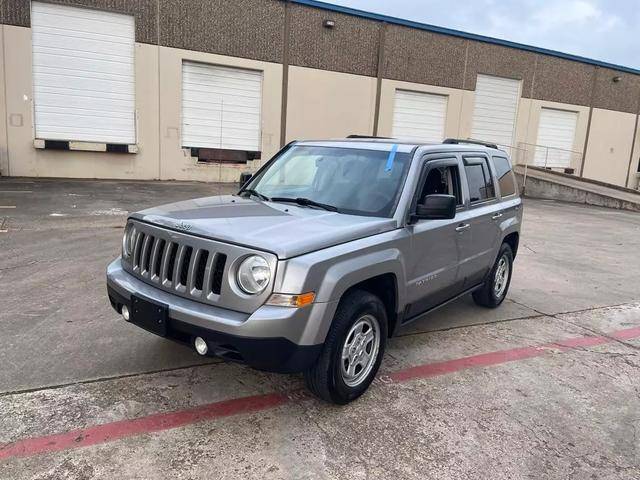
197, 272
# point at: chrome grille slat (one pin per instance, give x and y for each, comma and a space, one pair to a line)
153, 263
144, 256
136, 250
208, 275
164, 267
178, 268
191, 271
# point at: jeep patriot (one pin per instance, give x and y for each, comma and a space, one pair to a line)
328, 250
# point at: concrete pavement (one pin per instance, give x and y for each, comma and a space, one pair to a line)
69, 364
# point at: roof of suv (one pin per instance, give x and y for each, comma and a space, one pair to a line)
404, 145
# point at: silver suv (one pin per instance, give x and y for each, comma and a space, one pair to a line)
328, 250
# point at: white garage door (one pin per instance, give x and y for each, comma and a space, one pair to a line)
556, 133
494, 115
221, 107
83, 74
419, 116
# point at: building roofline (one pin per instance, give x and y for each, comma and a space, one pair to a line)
460, 34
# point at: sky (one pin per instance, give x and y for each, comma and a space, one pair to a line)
606, 30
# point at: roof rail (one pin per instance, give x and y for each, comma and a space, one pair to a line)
368, 136
456, 141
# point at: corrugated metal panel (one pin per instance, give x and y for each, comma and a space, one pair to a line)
494, 115
83, 74
419, 116
221, 107
556, 132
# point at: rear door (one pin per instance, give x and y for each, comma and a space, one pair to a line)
479, 226
435, 250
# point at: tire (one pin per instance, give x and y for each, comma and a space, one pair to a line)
490, 295
330, 378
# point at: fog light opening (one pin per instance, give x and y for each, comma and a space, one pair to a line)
125, 313
201, 346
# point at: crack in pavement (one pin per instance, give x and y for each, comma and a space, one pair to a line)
216, 361
598, 332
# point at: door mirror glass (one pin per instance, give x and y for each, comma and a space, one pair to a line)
436, 207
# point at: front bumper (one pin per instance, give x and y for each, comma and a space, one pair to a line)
278, 339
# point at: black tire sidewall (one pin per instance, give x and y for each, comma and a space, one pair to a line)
364, 303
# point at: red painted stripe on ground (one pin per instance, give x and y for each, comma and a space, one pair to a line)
627, 334
164, 421
109, 432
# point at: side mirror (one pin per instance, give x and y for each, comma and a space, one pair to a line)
244, 178
436, 207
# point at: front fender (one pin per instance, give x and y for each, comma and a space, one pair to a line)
350, 271
331, 272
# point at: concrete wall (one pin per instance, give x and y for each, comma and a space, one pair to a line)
323, 104
633, 177
609, 147
331, 88
4, 154
25, 160
456, 116
176, 162
527, 124
158, 119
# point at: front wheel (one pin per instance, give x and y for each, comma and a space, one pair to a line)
496, 286
352, 351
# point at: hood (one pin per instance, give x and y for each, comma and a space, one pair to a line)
285, 229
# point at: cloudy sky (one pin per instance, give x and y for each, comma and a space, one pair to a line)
600, 29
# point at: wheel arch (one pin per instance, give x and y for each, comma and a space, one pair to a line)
513, 240
380, 273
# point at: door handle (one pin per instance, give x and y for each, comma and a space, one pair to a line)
496, 216
462, 227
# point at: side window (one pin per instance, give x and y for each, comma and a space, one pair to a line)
479, 179
506, 178
443, 180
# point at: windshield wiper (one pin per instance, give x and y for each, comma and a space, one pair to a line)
257, 194
306, 202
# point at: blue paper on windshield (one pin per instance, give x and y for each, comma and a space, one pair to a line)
391, 158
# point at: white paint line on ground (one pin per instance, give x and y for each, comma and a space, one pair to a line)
58, 214
16, 191
111, 211
7, 206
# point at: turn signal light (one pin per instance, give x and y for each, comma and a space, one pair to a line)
288, 300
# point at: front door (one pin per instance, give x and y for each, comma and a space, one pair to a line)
432, 269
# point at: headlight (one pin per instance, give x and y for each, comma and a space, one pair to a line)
253, 275
129, 240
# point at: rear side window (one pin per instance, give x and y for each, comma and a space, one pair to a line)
479, 179
506, 178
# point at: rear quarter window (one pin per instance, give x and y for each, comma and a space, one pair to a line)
505, 176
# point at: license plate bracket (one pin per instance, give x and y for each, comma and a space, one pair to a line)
149, 315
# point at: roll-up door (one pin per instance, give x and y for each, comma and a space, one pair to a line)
419, 116
556, 133
83, 74
221, 107
496, 105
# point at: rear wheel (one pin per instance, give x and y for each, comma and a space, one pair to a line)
352, 351
496, 286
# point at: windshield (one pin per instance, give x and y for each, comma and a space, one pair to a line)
354, 181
